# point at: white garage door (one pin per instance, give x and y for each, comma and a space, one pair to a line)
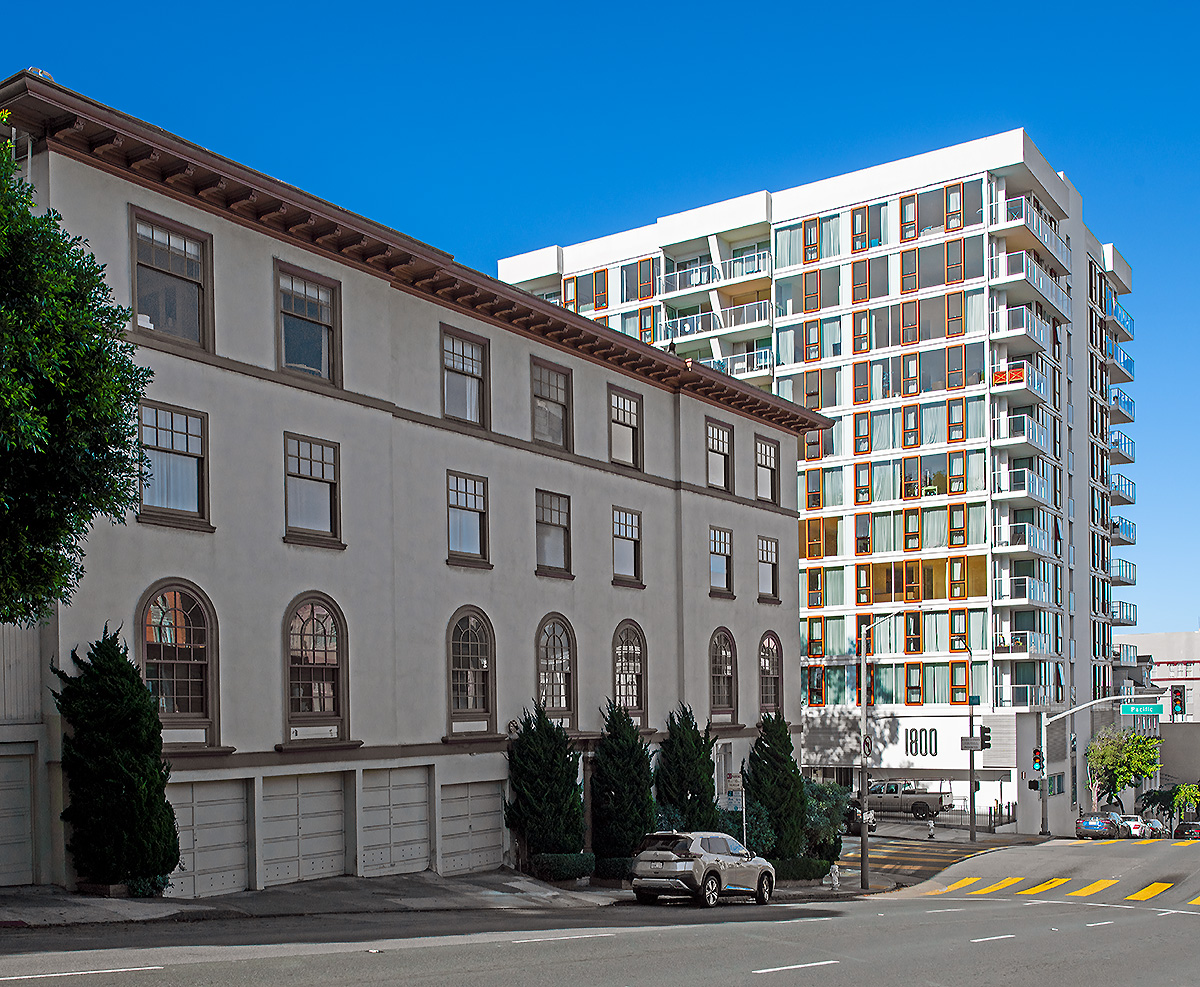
395, 821
16, 817
472, 826
212, 838
303, 828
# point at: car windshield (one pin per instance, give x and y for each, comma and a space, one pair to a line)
671, 842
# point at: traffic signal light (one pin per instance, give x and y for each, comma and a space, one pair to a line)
985, 738
1038, 763
1177, 700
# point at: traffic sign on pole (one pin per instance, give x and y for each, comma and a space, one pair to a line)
1141, 709
971, 743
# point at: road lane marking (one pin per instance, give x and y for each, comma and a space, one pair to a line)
1054, 882
80, 973
591, 935
1008, 882
1106, 842
1092, 925
955, 886
1149, 891
1194, 901
1185, 843
938, 911
1091, 889
994, 938
798, 966
1144, 842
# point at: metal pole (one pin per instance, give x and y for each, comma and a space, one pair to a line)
971, 763
864, 857
1042, 782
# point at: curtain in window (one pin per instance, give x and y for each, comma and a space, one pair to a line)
898, 529
888, 640
934, 528
789, 246
785, 292
977, 470
784, 385
835, 635
174, 482
835, 592
897, 428
933, 423
882, 487
833, 487
881, 430
884, 225
978, 679
975, 418
838, 433
977, 630
975, 313
831, 241
881, 533
937, 680
831, 337
787, 346
835, 685
976, 524
885, 681
878, 369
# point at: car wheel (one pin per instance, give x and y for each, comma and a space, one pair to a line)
763, 895
920, 810
646, 897
710, 891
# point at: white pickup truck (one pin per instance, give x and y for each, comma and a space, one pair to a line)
904, 796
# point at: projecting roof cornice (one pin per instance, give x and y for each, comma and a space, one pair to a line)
149, 156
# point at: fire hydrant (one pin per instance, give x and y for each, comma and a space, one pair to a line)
931, 827
834, 877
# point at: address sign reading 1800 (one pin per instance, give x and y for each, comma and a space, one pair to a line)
921, 741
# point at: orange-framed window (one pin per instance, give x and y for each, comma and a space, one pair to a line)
646, 319
912, 529
815, 587
863, 589
812, 291
812, 341
910, 478
862, 382
914, 694
862, 336
858, 229
908, 217
870, 686
912, 581
910, 381
862, 483
958, 630
813, 498
816, 637
960, 683
816, 685
914, 639
954, 261
910, 416
570, 301
908, 270
954, 207
956, 420
956, 376
958, 472
645, 278
601, 288
955, 325
862, 433
958, 581
812, 240
862, 534
812, 389
814, 540
909, 330
812, 445
958, 525
860, 287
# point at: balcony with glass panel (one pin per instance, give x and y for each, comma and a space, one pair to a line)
1120, 363
1020, 328
1023, 227
1027, 281
1120, 446
757, 363
1020, 541
1021, 436
746, 270
1122, 531
1032, 644
1019, 382
1117, 320
1124, 614
1122, 490
1125, 654
1020, 488
1024, 696
1120, 406
1122, 572
1019, 591
689, 325
698, 277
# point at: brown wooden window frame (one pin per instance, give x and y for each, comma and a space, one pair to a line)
956, 480
766, 458
812, 340
862, 543
333, 326
910, 435
205, 316
814, 499
467, 674
337, 719
948, 212
862, 439
861, 389
198, 520
483, 375
293, 460
959, 639
956, 379
860, 281
618, 411
815, 575
730, 675
908, 271
770, 673
910, 384
956, 430
815, 682
817, 649
811, 298
812, 248
718, 442
910, 489
646, 283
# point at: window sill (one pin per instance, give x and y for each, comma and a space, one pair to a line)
314, 541
161, 339
771, 601
195, 750
323, 383
719, 489
482, 427
298, 746
553, 573
468, 739
182, 521
469, 563
721, 594
628, 583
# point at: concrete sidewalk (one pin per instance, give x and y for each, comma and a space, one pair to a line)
889, 830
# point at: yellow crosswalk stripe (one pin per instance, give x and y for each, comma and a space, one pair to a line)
1185, 842
1144, 842
1194, 901
1054, 882
1008, 882
1106, 842
955, 886
1149, 892
1090, 889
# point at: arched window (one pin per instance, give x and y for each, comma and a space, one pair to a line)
770, 674
556, 667
316, 669
723, 665
629, 669
178, 656
471, 647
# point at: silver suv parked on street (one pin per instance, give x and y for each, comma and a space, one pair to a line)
705, 866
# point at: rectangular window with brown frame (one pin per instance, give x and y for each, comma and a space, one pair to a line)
815, 587
958, 578
914, 642
909, 325
625, 428
862, 433
910, 375
862, 332
958, 631
912, 582
908, 271
862, 382
956, 376
812, 490
954, 261
466, 393
812, 341
720, 560
175, 442
646, 319
766, 470
552, 524
858, 229
960, 683
914, 694
908, 217
862, 534
645, 274
720, 455
466, 506
912, 529
910, 415
768, 570
860, 288
309, 323
862, 585
910, 478
814, 540
954, 314
627, 547
870, 686
812, 240
816, 637
954, 207
812, 290
956, 420
550, 387
958, 472
311, 491
958, 525
862, 483
172, 275
816, 685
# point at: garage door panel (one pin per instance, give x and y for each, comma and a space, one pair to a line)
395, 820
16, 821
213, 838
303, 827
472, 827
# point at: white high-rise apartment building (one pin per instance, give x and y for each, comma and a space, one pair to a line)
956, 318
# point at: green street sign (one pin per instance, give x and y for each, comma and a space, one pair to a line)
1141, 709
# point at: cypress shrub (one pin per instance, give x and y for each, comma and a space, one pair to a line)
622, 801
801, 869
546, 809
562, 866
683, 775
760, 837
827, 806
773, 779
123, 827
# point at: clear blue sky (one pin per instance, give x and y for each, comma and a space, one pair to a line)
490, 129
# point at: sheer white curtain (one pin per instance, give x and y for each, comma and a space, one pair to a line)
976, 524
975, 418
174, 481
885, 213
835, 633
833, 487
784, 385
789, 246
934, 528
831, 240
933, 423
937, 675
831, 338
881, 533
882, 487
877, 371
975, 314
835, 595
977, 630
977, 470
787, 346
881, 430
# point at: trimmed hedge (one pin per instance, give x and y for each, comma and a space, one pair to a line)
614, 868
563, 866
801, 869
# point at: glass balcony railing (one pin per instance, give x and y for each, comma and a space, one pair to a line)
1122, 529
1122, 488
1124, 613
743, 364
1021, 318
747, 264
1117, 313
1022, 695
1122, 571
1021, 588
1121, 444
1118, 358
689, 277
1022, 264
1021, 481
1022, 536
746, 315
1021, 209
1120, 401
1021, 643
1020, 372
1021, 427
1125, 654
689, 325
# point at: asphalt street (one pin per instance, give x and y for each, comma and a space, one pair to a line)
1064, 912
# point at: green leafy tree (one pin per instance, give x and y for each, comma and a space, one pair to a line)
1116, 759
123, 827
683, 772
1185, 797
622, 800
1161, 801
69, 393
546, 809
827, 806
773, 779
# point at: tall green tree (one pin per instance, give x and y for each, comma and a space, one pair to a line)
1186, 796
69, 393
622, 799
546, 808
683, 772
827, 806
1116, 759
773, 779
123, 827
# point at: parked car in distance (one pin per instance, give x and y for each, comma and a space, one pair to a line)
1138, 829
1158, 828
854, 817
1098, 826
704, 866
904, 796
1188, 830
